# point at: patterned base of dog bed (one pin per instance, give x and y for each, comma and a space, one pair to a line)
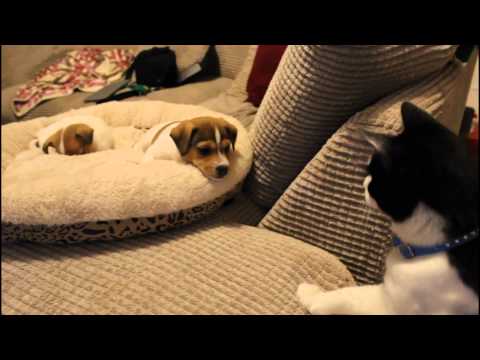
111, 229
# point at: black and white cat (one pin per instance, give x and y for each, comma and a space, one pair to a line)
425, 181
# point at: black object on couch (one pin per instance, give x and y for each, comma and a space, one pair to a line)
157, 68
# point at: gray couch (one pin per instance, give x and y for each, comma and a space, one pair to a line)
20, 63
308, 224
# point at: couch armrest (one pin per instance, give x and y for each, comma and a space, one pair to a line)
325, 204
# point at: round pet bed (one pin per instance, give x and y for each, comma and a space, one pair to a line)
110, 194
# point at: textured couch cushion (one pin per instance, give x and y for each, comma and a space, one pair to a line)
239, 85
194, 94
233, 101
325, 205
264, 67
58, 196
234, 106
202, 269
240, 210
232, 58
315, 90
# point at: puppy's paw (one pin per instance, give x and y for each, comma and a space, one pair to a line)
52, 151
306, 293
307, 290
34, 145
320, 302
138, 147
147, 159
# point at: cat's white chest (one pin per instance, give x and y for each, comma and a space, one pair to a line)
426, 285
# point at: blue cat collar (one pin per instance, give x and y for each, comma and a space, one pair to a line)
410, 251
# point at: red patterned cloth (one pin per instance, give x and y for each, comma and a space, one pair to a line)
87, 70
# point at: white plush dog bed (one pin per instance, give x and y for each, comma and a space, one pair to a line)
109, 194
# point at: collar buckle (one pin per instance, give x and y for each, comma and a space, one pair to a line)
407, 251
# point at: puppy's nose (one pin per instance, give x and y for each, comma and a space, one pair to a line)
222, 171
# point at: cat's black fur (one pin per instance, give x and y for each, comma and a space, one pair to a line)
430, 164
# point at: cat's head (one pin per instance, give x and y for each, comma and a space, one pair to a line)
426, 168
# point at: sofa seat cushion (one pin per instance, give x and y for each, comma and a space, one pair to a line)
109, 194
194, 93
202, 269
186, 94
232, 105
240, 210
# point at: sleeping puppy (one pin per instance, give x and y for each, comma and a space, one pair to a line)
204, 142
75, 135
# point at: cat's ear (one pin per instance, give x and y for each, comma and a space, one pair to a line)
376, 140
413, 116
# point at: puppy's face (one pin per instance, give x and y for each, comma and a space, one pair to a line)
207, 143
77, 140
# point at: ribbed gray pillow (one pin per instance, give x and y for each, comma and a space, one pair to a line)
325, 204
315, 90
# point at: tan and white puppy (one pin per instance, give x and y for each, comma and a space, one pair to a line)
75, 135
204, 142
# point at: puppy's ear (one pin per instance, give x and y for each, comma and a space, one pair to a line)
53, 141
182, 135
84, 134
230, 132
76, 139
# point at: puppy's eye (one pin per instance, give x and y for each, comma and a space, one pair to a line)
204, 151
226, 148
